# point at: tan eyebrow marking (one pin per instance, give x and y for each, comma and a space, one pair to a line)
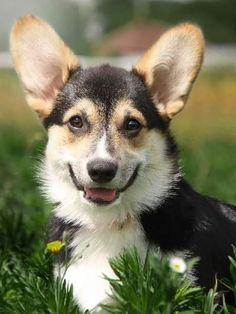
126, 107
83, 104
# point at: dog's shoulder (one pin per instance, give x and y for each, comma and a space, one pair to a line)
189, 221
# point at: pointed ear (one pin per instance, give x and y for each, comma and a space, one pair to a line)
42, 61
170, 67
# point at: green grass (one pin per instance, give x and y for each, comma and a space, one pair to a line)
210, 168
26, 283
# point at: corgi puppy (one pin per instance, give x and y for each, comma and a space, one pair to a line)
110, 164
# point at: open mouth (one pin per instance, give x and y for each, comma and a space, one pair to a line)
101, 195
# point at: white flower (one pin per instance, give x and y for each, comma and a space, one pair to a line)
178, 265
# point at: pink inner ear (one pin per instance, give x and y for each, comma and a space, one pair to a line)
42, 68
163, 84
54, 85
44, 77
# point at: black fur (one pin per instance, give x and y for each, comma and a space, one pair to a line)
105, 85
185, 220
63, 231
201, 225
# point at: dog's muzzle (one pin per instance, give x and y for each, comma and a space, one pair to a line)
101, 195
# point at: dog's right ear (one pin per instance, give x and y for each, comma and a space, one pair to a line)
42, 61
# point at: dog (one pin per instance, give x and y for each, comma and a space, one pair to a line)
111, 165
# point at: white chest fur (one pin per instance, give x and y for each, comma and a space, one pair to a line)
91, 251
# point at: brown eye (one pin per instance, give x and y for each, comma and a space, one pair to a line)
132, 125
75, 122
131, 128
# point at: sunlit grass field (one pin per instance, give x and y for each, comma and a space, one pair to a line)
205, 131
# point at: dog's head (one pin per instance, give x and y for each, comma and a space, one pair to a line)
109, 149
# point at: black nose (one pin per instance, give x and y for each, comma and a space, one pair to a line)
102, 171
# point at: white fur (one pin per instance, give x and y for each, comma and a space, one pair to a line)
101, 149
99, 223
90, 260
150, 187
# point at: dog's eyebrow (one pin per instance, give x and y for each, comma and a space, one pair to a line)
83, 104
127, 107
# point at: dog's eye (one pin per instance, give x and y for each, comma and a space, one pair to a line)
75, 122
132, 125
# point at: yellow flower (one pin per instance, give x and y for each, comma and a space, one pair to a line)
178, 265
55, 246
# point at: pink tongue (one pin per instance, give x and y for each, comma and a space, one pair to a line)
101, 194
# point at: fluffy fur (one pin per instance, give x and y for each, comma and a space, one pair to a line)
122, 119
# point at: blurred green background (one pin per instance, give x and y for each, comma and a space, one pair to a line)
205, 130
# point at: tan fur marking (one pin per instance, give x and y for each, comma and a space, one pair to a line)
147, 61
125, 108
85, 105
42, 107
42, 61
64, 138
60, 135
185, 41
139, 141
35, 27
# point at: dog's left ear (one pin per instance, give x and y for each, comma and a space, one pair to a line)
170, 67
42, 61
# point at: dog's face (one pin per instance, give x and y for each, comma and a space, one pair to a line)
101, 132
109, 149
